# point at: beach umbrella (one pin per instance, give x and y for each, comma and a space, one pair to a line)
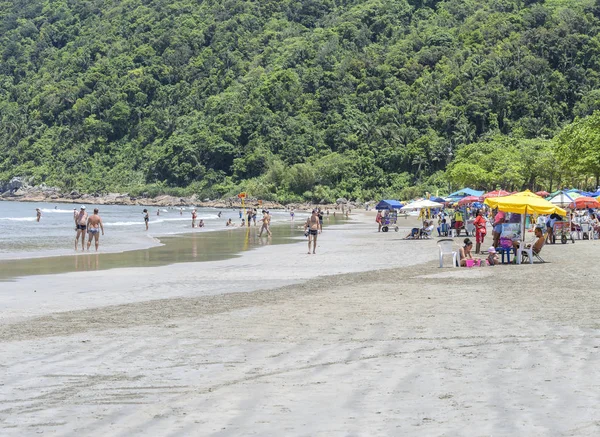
437, 199
561, 198
468, 200
420, 204
496, 193
524, 203
542, 193
584, 203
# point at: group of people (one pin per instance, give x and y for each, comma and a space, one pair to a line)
87, 224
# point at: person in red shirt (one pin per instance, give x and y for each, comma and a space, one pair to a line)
480, 230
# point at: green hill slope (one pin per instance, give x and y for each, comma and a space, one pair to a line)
290, 98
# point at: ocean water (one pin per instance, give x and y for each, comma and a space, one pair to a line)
21, 236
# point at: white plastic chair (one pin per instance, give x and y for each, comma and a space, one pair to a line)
586, 228
470, 228
445, 247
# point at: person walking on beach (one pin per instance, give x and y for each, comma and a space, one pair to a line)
320, 214
266, 221
249, 216
94, 225
80, 226
312, 225
194, 216
146, 218
38, 214
254, 212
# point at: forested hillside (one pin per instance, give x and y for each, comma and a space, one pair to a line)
294, 99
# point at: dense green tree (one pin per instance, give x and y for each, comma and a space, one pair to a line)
298, 99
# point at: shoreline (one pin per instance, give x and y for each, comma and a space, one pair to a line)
195, 246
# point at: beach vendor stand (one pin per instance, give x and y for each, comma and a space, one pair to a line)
390, 218
524, 203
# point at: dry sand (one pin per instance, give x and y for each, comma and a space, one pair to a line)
367, 338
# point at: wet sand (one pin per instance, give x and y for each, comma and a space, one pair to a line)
368, 337
193, 247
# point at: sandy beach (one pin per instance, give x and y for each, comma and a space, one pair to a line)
367, 338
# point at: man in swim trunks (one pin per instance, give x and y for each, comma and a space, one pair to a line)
39, 214
80, 226
266, 221
312, 225
194, 218
94, 225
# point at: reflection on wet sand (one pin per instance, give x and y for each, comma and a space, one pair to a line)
209, 246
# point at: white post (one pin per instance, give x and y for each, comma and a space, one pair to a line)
522, 242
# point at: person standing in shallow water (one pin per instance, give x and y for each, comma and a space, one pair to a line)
94, 225
80, 226
38, 214
146, 218
266, 222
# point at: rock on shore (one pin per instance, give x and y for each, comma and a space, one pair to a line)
19, 189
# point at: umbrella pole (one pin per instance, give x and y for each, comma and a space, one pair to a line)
522, 242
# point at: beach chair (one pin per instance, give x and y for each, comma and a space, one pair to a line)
523, 252
445, 246
470, 228
586, 228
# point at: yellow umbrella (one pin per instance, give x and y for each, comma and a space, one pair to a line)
524, 202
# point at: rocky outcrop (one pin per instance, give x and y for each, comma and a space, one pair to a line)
19, 189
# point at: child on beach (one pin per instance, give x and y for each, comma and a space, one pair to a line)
492, 259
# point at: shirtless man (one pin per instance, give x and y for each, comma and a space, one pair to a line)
39, 214
94, 225
313, 225
80, 225
266, 221
194, 216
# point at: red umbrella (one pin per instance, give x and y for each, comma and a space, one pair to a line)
543, 193
584, 203
497, 193
469, 199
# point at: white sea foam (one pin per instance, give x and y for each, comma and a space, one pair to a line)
19, 219
57, 211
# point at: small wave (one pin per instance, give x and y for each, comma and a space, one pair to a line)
140, 222
58, 211
19, 219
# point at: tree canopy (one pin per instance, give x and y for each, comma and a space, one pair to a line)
288, 99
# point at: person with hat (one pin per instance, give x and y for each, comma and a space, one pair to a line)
80, 227
493, 259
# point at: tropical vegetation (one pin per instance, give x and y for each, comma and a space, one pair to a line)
300, 99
